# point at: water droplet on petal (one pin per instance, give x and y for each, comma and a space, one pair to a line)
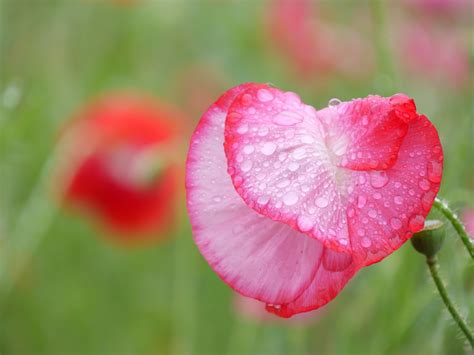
366, 242
293, 166
416, 223
269, 148
378, 179
304, 224
290, 198
361, 201
435, 171
246, 166
398, 200
334, 102
283, 183
287, 118
307, 139
299, 153
322, 202
242, 129
263, 200
264, 95
424, 184
396, 223
249, 149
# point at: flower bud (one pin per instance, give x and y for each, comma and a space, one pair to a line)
429, 240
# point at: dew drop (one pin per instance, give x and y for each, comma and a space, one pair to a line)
262, 132
372, 213
217, 199
282, 156
299, 153
398, 200
360, 232
361, 201
334, 102
293, 166
307, 139
264, 95
396, 223
242, 129
378, 179
424, 184
283, 183
246, 166
269, 148
290, 198
434, 171
366, 242
249, 149
287, 118
263, 200
322, 202
304, 224
377, 196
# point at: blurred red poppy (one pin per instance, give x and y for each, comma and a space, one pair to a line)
119, 160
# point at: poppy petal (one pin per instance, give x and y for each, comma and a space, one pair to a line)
334, 271
256, 256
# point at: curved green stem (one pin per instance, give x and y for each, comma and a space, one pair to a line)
433, 266
443, 207
28, 230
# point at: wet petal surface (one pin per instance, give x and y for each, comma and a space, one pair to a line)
256, 256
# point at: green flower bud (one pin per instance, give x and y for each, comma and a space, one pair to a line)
429, 240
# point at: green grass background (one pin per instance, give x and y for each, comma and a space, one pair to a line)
80, 294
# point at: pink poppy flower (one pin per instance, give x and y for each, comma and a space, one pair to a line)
287, 203
119, 163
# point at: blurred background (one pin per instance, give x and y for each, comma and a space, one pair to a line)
69, 284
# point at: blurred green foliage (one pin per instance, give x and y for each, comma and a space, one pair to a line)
81, 294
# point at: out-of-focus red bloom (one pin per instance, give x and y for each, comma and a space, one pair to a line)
120, 162
312, 46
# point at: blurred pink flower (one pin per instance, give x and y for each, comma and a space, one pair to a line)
429, 51
314, 46
442, 8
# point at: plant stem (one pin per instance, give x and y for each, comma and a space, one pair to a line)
28, 230
443, 207
433, 266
